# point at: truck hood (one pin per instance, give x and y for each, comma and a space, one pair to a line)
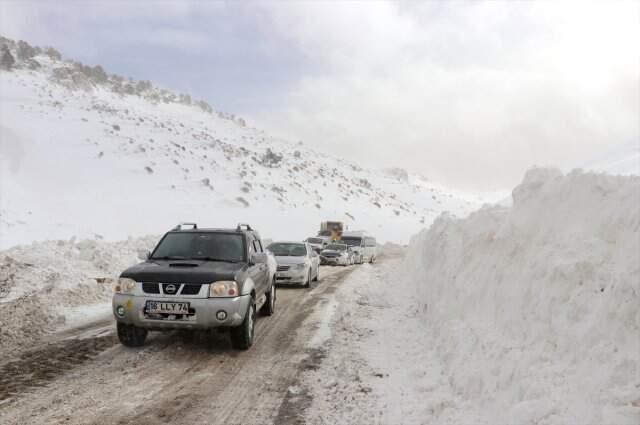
183, 271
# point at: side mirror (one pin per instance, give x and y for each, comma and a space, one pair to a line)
144, 255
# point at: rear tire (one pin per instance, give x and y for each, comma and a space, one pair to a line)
130, 335
270, 304
242, 336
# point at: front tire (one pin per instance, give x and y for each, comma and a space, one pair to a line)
270, 304
315, 279
130, 335
242, 336
308, 282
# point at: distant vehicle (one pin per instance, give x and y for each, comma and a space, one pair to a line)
297, 262
197, 279
332, 229
364, 246
337, 254
318, 242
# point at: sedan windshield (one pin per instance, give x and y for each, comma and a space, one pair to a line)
336, 247
280, 249
210, 246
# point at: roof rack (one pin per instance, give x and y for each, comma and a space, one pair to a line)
241, 225
179, 226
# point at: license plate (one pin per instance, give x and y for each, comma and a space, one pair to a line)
166, 307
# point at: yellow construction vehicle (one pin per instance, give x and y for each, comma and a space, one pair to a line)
331, 229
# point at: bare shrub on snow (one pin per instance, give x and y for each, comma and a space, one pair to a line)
271, 159
7, 61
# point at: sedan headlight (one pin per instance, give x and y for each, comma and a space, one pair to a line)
124, 285
224, 288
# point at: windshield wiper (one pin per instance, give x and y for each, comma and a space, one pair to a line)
223, 260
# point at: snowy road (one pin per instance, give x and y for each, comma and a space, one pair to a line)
85, 376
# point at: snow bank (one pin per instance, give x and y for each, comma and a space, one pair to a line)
45, 285
535, 309
391, 249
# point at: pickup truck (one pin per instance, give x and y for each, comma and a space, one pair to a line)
197, 279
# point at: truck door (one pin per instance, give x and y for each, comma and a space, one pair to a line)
259, 272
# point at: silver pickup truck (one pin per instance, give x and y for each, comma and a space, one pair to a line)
197, 279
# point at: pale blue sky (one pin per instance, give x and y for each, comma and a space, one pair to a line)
467, 93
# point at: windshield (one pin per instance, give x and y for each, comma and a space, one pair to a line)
336, 247
351, 241
200, 245
314, 240
288, 249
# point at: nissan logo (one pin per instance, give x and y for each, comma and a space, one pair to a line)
170, 289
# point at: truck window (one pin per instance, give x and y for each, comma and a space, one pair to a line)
257, 247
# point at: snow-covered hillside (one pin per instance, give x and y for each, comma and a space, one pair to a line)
532, 310
88, 154
622, 159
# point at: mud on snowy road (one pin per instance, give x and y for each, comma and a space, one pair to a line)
86, 376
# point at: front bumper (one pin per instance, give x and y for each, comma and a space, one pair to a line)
334, 261
292, 276
204, 309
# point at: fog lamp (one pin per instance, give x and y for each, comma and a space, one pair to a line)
221, 315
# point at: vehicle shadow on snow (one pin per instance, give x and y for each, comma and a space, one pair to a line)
195, 342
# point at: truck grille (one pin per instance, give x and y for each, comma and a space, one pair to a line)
187, 288
190, 289
150, 288
283, 268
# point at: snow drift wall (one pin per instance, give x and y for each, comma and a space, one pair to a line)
535, 309
42, 283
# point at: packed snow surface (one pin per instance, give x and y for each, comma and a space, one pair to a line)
534, 310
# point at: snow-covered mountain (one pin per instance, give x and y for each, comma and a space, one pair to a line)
622, 159
88, 154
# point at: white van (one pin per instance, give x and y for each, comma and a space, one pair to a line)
363, 246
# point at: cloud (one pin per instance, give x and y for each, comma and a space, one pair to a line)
468, 93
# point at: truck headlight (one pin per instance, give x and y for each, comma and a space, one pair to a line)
224, 288
299, 266
124, 285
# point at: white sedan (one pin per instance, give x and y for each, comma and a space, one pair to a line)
297, 262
